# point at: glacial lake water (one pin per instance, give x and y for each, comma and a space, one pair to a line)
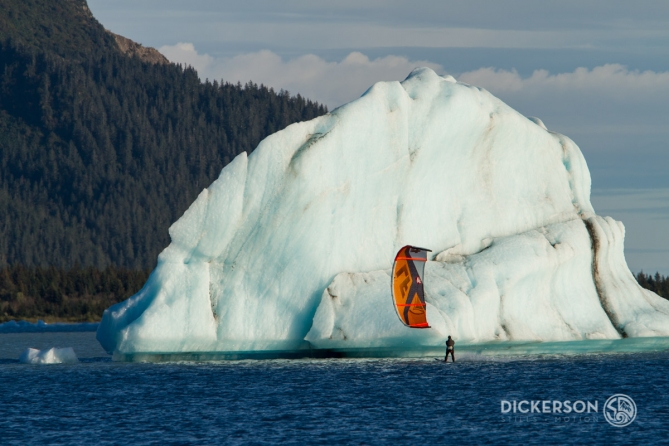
328, 401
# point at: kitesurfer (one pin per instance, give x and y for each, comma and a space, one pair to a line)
450, 343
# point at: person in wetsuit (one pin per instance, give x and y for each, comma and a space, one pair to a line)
450, 343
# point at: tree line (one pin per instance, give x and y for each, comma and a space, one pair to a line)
658, 284
56, 294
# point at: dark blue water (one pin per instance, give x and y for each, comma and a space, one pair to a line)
349, 401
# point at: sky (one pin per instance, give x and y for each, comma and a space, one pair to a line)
596, 71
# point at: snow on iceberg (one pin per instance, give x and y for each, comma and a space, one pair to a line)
52, 356
293, 244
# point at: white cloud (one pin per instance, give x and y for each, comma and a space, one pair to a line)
336, 82
610, 79
592, 105
185, 53
331, 83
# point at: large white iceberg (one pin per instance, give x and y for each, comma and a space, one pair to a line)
292, 246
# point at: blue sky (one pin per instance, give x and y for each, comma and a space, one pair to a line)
597, 71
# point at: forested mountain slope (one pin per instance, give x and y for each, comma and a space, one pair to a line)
100, 151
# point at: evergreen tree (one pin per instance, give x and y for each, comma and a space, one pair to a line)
100, 151
658, 284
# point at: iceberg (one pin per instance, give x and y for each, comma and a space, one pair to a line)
291, 247
52, 356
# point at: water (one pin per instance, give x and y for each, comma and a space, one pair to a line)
318, 401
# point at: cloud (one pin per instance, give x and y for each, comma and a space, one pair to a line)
606, 107
610, 79
185, 53
330, 82
600, 91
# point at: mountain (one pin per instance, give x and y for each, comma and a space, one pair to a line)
64, 28
291, 247
104, 143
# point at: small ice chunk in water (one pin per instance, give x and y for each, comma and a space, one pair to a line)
52, 356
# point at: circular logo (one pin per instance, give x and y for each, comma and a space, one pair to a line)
619, 410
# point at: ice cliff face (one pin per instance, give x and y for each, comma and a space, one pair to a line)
295, 242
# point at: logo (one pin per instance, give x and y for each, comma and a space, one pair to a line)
620, 410
418, 280
549, 407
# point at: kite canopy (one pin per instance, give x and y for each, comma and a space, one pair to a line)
407, 286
